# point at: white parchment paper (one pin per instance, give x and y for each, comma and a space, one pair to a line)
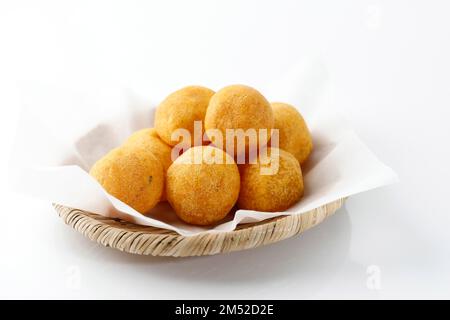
62, 133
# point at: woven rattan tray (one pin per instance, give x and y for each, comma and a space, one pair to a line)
143, 240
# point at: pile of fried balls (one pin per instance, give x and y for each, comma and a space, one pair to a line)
142, 171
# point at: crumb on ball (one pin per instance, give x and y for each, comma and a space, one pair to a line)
275, 190
203, 185
147, 140
294, 135
132, 176
180, 110
239, 107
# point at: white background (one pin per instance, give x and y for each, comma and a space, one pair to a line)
388, 64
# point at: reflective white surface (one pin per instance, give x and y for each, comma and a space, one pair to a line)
389, 73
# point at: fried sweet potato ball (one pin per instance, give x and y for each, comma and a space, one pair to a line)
202, 185
273, 184
147, 140
294, 136
239, 107
179, 111
132, 176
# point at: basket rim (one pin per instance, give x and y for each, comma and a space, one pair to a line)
146, 240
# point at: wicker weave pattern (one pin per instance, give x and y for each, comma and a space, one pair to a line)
143, 240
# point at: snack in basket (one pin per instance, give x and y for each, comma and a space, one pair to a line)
294, 135
238, 107
132, 176
180, 110
202, 185
147, 140
274, 183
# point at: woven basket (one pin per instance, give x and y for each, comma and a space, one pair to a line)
137, 239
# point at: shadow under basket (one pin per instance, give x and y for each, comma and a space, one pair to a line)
143, 240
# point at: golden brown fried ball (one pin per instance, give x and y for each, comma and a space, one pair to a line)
294, 136
238, 107
278, 189
147, 140
202, 185
179, 111
132, 176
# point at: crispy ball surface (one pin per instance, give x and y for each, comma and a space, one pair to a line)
238, 107
203, 185
294, 136
278, 189
132, 176
179, 111
147, 140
